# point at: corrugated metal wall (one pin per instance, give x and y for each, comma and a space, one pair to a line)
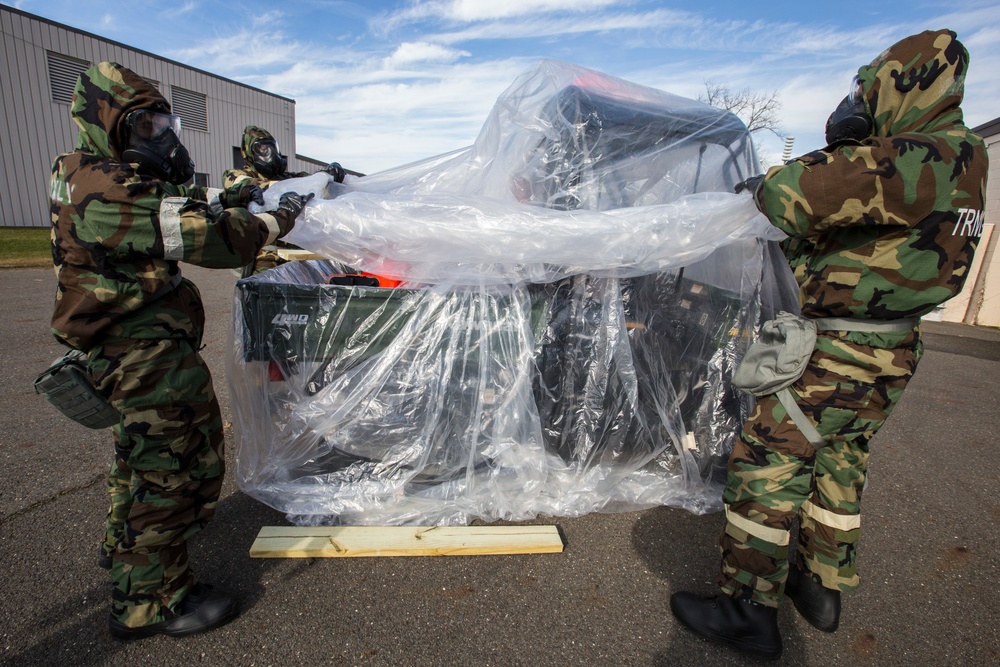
34, 128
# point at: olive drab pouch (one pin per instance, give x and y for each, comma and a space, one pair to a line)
776, 360
66, 385
779, 355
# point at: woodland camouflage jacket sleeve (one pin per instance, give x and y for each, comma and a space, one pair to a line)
117, 238
895, 181
236, 178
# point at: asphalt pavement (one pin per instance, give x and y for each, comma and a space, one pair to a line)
927, 556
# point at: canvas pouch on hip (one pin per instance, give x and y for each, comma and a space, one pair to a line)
778, 357
776, 360
66, 385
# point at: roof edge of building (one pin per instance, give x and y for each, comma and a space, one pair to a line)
992, 125
321, 164
36, 17
311, 160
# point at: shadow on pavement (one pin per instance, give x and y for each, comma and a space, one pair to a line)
682, 549
219, 555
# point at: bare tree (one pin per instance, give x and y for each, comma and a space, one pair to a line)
758, 110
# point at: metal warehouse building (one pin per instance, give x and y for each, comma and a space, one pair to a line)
40, 63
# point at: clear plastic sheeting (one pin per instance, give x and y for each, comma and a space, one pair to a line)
578, 287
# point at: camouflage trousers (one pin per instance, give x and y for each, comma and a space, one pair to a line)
267, 258
775, 476
167, 473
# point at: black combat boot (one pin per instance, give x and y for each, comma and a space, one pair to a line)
744, 625
202, 610
818, 605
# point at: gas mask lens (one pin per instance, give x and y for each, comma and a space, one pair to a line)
151, 125
850, 120
856, 93
265, 151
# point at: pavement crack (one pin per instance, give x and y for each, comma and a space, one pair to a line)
51, 499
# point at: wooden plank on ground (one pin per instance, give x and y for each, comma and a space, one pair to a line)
297, 254
355, 541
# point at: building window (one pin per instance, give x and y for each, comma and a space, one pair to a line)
63, 74
192, 107
201, 179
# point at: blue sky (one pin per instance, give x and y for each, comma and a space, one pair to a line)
380, 83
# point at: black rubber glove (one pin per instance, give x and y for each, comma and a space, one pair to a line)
293, 202
750, 185
335, 170
252, 194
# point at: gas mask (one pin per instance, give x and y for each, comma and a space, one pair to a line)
154, 144
267, 159
850, 120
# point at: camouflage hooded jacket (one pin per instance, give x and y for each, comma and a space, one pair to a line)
117, 236
886, 227
233, 180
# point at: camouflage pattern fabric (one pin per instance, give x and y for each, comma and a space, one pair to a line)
234, 181
886, 227
879, 229
117, 238
267, 258
168, 469
775, 475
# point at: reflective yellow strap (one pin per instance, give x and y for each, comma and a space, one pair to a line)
273, 230
170, 227
870, 326
766, 533
828, 518
214, 202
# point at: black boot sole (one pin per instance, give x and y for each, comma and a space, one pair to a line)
201, 610
123, 632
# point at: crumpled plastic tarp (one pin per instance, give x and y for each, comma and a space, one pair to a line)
577, 289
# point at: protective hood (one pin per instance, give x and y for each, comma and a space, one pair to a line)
916, 85
104, 94
252, 133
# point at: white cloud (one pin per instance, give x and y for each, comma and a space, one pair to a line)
375, 90
525, 28
410, 53
267, 19
372, 126
373, 111
982, 87
242, 51
478, 10
468, 11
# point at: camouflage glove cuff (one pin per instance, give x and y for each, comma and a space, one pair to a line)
284, 222
240, 196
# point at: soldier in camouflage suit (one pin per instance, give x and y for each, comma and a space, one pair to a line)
264, 166
882, 228
121, 222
